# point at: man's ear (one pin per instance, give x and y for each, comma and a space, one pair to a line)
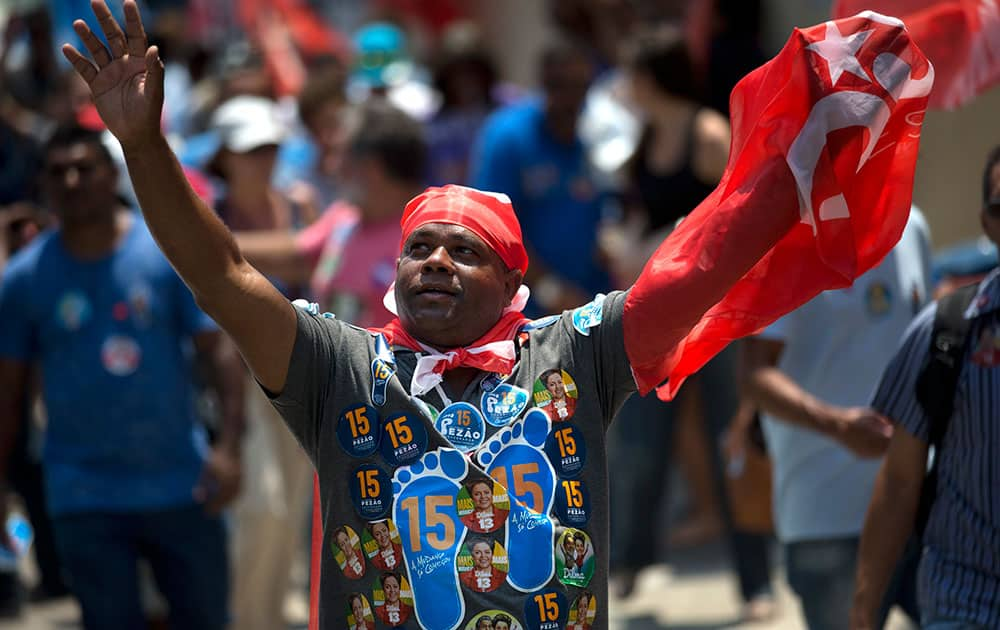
512, 282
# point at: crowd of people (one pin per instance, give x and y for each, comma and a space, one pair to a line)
149, 448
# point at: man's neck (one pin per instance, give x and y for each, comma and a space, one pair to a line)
97, 238
458, 379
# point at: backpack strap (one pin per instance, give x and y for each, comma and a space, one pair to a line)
938, 381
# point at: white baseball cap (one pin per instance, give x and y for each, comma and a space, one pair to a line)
245, 123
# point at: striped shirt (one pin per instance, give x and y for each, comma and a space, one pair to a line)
960, 571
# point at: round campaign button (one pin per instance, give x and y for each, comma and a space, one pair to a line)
575, 561
404, 439
583, 611
566, 450
371, 492
545, 610
358, 430
461, 424
573, 502
503, 403
493, 620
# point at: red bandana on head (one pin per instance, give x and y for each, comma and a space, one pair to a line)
489, 216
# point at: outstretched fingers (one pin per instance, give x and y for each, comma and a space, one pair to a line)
112, 32
83, 66
98, 52
134, 30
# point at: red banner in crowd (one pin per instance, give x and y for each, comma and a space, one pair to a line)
960, 37
817, 191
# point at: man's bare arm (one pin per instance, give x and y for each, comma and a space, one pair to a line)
861, 430
127, 86
890, 520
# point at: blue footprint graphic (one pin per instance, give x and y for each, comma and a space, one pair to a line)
515, 458
426, 516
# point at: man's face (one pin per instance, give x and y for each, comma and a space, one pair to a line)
328, 131
484, 623
990, 215
554, 384
482, 555
482, 496
380, 531
565, 84
451, 288
79, 182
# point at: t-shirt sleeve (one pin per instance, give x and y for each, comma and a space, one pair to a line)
614, 374
18, 338
896, 395
311, 374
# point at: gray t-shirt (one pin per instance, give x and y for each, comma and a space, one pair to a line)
416, 533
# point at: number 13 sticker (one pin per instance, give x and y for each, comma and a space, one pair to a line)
546, 610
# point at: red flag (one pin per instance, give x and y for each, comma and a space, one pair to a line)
817, 191
960, 37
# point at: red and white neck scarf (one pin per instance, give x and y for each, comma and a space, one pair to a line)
493, 352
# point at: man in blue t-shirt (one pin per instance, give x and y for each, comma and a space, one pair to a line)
532, 152
129, 472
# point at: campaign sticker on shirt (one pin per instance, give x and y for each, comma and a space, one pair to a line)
574, 558
359, 613
139, 299
555, 393
120, 355
483, 505
589, 315
382, 545
382, 371
461, 424
490, 382
392, 598
371, 492
357, 430
503, 404
73, 310
545, 610
493, 620
482, 565
544, 322
346, 548
583, 612
878, 298
573, 502
404, 439
566, 450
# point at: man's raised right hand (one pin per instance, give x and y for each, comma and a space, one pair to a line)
125, 77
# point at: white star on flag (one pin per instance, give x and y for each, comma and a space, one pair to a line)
839, 52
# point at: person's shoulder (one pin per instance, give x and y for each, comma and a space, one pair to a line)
32, 258
516, 116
